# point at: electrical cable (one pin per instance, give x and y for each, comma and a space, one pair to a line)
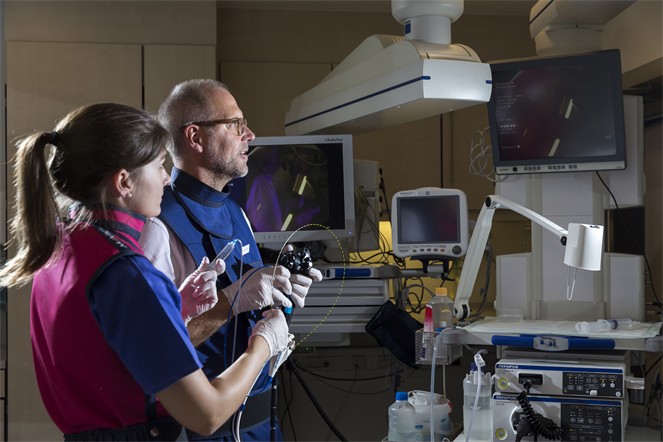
654, 402
322, 380
274, 396
641, 364
481, 159
550, 431
631, 237
383, 189
342, 405
523, 428
653, 365
365, 213
483, 292
420, 306
570, 285
480, 154
288, 402
643, 372
239, 292
237, 416
273, 408
340, 290
318, 375
227, 249
395, 373
274, 390
293, 367
275, 380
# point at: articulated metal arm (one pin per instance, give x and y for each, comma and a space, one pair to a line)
478, 243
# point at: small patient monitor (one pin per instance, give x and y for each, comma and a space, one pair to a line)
429, 223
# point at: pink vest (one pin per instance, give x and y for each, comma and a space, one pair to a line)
83, 383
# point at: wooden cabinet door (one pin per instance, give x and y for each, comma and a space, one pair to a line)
44, 82
167, 65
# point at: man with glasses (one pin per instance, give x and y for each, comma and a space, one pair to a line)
198, 219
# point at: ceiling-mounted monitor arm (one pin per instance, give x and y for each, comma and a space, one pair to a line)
583, 246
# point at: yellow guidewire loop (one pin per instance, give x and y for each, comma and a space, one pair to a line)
278, 258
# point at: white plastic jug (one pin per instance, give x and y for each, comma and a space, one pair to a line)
443, 426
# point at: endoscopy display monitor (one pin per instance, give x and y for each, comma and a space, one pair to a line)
558, 114
298, 188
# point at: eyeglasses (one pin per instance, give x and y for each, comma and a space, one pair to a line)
235, 124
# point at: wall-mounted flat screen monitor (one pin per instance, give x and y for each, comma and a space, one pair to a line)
558, 114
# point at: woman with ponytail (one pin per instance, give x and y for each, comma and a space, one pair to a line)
112, 354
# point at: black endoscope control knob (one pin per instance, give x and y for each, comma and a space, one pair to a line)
297, 261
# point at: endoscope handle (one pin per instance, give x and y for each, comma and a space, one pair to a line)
297, 261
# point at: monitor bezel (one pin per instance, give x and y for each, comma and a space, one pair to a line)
275, 239
617, 161
430, 250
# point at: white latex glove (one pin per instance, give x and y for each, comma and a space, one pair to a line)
198, 290
274, 329
301, 284
261, 288
281, 357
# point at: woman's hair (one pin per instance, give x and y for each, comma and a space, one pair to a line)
72, 165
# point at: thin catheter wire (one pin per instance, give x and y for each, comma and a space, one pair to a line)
340, 291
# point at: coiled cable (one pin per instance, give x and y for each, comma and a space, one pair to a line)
550, 431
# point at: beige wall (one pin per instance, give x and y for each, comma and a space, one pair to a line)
61, 55
102, 21
636, 32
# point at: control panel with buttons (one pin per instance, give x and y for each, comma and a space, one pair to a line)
598, 384
581, 419
590, 379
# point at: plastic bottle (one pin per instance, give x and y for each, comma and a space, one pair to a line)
439, 311
482, 422
603, 325
401, 419
442, 426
